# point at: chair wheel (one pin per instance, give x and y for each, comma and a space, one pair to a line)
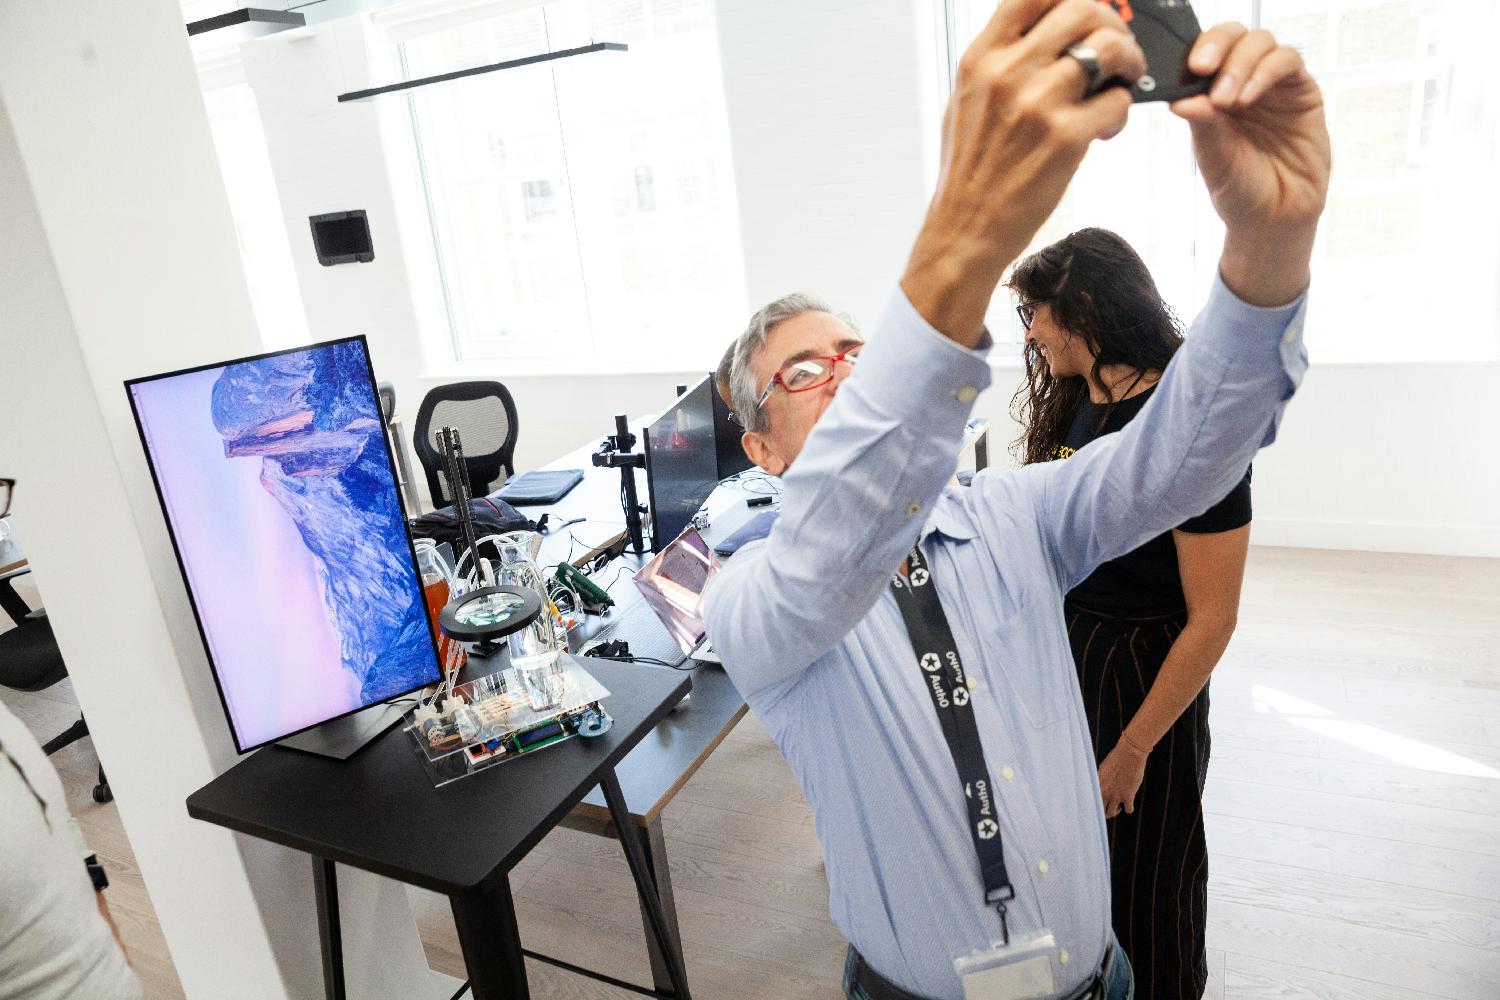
103, 794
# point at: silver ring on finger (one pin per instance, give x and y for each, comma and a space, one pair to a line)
1088, 58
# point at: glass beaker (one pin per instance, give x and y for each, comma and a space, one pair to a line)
439, 586
534, 649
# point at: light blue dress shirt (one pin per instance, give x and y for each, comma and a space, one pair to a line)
810, 633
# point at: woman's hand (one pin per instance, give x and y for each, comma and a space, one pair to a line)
1120, 778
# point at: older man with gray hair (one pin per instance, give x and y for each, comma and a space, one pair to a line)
767, 449
902, 640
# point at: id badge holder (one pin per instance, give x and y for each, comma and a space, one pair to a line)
1017, 971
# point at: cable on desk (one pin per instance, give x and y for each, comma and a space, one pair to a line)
756, 482
685, 665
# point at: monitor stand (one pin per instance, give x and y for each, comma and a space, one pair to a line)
340, 738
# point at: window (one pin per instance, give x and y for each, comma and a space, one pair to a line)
264, 249
583, 207
1409, 246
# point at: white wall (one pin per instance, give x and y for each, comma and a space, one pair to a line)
119, 260
829, 108
1382, 458
92, 248
832, 122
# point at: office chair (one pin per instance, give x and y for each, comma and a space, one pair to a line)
397, 444
31, 661
485, 416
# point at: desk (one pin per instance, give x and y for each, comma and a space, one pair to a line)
658, 767
379, 811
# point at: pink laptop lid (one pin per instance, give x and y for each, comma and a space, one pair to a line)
673, 585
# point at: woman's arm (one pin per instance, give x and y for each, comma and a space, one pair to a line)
1212, 567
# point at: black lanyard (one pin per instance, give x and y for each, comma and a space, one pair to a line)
947, 685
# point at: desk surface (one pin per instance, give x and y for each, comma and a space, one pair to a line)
663, 762
379, 811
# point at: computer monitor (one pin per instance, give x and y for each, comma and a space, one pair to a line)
732, 459
682, 462
280, 498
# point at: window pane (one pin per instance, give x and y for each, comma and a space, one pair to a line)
648, 152
584, 205
497, 186
1409, 247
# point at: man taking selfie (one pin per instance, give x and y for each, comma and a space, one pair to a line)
904, 641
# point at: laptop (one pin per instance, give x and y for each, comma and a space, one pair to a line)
672, 586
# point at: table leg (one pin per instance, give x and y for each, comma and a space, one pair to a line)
664, 941
654, 847
326, 893
491, 941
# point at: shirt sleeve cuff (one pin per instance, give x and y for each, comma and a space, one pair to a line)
922, 377
1259, 336
1244, 329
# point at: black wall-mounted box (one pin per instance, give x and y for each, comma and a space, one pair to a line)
342, 238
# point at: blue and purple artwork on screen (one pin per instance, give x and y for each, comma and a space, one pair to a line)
277, 483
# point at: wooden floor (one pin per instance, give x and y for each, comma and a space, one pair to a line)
1353, 799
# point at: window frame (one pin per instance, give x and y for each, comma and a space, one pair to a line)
395, 28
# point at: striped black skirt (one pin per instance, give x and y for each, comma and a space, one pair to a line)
1158, 856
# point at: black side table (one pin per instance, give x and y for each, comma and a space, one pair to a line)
379, 811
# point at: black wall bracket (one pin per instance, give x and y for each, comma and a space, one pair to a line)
342, 238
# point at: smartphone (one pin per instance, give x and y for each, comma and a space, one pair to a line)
1165, 31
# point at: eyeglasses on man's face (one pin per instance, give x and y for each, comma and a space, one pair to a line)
7, 487
808, 373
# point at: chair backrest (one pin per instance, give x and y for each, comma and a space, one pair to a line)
485, 416
30, 659
387, 393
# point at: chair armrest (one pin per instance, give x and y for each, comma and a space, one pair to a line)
10, 601
11, 574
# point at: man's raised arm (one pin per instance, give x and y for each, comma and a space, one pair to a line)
1262, 147
1016, 128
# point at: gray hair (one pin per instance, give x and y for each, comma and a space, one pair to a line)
743, 391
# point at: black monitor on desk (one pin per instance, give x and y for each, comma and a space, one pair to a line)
279, 491
682, 462
727, 433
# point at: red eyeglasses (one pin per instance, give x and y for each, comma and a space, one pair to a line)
809, 373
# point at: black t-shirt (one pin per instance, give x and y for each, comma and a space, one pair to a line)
1145, 581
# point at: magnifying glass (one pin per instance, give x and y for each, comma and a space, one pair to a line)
489, 614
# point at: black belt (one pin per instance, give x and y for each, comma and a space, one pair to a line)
877, 987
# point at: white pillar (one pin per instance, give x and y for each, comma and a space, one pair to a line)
332, 157
118, 259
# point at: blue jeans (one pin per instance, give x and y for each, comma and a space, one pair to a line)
1121, 984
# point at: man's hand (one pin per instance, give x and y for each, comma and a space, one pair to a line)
1014, 133
1262, 146
1120, 776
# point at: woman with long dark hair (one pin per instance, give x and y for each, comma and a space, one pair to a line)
1147, 627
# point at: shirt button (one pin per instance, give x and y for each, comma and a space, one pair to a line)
1290, 335
913, 509
1063, 956
966, 394
1042, 866
1009, 773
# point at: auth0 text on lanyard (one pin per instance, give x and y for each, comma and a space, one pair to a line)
947, 684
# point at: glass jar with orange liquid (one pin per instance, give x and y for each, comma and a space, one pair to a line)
438, 587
